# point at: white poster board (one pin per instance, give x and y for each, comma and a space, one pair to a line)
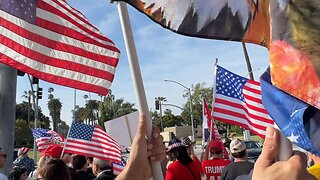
123, 129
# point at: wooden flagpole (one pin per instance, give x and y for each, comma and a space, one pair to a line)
285, 149
137, 78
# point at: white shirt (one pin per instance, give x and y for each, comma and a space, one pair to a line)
3, 177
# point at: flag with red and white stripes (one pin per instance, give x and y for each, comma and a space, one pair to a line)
118, 167
238, 101
44, 138
54, 42
88, 140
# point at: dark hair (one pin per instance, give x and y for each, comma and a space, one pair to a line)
16, 173
78, 162
54, 169
181, 154
239, 154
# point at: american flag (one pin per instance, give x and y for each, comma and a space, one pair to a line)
238, 101
118, 166
56, 43
92, 141
45, 138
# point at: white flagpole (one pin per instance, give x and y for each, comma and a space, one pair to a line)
136, 77
203, 123
213, 94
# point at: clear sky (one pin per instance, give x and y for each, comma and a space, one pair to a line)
162, 55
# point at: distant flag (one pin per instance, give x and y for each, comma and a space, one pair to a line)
92, 141
118, 166
240, 20
215, 133
238, 101
298, 121
45, 138
54, 42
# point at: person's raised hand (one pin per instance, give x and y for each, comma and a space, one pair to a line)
267, 168
142, 151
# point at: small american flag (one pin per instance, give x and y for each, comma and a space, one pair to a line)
118, 166
56, 43
238, 101
92, 141
45, 138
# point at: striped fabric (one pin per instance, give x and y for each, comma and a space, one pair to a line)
92, 141
54, 42
238, 101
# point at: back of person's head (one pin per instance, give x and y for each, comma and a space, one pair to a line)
215, 147
101, 164
238, 148
79, 162
179, 151
17, 172
54, 169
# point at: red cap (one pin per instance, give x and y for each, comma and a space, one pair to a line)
53, 151
215, 147
23, 150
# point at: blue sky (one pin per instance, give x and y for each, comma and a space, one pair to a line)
162, 55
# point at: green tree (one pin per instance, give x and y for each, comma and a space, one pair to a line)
197, 92
22, 114
28, 95
55, 106
23, 134
92, 107
63, 128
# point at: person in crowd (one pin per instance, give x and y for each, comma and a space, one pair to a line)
54, 169
80, 164
23, 160
212, 166
67, 158
3, 157
102, 169
42, 160
89, 168
183, 167
190, 149
18, 173
315, 168
240, 165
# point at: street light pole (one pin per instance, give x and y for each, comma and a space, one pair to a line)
190, 99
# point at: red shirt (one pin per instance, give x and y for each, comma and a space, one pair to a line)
197, 162
213, 168
178, 171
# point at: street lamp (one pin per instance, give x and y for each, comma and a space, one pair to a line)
191, 115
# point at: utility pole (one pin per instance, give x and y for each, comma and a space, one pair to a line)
8, 88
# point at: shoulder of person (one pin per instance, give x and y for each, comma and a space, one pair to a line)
3, 177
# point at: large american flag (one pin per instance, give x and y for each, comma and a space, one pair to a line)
238, 101
45, 138
56, 43
92, 141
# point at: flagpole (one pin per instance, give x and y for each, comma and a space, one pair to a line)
214, 92
137, 79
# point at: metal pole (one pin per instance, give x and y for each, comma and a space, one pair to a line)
190, 97
35, 124
137, 79
161, 121
191, 114
8, 81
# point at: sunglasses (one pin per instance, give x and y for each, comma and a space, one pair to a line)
3, 155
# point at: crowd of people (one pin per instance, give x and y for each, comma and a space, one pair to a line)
178, 162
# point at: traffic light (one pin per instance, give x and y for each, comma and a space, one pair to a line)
195, 123
34, 80
39, 93
157, 104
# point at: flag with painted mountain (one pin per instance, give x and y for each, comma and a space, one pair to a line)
52, 41
241, 20
238, 101
298, 121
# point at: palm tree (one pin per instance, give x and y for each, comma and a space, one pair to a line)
27, 95
55, 106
